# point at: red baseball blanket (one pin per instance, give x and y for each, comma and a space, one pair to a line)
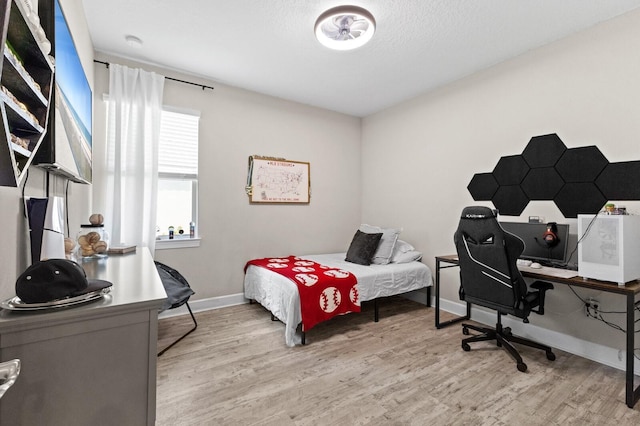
324, 291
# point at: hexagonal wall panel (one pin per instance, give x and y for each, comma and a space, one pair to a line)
620, 181
510, 200
542, 183
510, 170
579, 198
482, 186
578, 180
544, 151
581, 164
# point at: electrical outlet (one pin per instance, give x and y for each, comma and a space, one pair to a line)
592, 308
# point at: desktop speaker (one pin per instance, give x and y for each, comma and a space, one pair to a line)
46, 228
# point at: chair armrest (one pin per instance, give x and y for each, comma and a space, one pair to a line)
542, 287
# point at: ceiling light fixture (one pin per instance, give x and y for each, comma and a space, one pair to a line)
345, 27
133, 41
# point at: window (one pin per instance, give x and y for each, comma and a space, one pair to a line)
177, 173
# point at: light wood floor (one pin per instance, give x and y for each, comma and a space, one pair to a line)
236, 370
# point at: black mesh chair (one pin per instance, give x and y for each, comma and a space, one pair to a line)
489, 277
178, 294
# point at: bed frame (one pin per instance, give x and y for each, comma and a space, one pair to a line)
279, 295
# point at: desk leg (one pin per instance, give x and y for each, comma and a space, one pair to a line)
452, 321
632, 393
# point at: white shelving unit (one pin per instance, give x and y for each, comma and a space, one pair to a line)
27, 80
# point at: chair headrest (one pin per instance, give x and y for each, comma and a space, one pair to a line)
478, 212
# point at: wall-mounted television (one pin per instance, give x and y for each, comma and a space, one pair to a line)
67, 146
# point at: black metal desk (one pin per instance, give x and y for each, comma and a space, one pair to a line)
630, 290
452, 262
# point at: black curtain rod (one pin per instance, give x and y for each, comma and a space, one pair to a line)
106, 64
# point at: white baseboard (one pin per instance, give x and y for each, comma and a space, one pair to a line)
565, 342
238, 299
206, 305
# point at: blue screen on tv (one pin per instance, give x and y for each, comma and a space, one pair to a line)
74, 103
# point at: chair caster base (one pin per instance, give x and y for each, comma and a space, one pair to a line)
504, 339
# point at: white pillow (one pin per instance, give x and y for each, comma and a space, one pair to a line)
387, 244
401, 248
407, 257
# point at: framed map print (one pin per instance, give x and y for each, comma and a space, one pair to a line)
276, 180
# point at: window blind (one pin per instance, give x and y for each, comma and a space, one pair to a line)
178, 148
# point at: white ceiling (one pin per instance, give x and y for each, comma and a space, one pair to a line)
268, 46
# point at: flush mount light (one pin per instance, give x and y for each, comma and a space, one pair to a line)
133, 41
345, 27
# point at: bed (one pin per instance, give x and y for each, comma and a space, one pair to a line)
279, 294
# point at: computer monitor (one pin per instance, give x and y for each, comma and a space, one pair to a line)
535, 246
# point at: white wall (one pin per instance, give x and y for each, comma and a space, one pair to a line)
14, 250
419, 157
407, 166
235, 124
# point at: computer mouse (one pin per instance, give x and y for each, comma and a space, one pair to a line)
536, 265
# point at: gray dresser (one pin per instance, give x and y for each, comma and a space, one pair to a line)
93, 364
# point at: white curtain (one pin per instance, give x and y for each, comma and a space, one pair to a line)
135, 107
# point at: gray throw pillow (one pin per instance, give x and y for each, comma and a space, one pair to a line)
383, 253
362, 248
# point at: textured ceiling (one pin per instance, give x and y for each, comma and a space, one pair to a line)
268, 46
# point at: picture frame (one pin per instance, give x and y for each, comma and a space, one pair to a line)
275, 180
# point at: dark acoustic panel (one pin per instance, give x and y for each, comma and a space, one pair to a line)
620, 181
581, 164
510, 170
579, 198
544, 151
578, 180
542, 183
510, 200
482, 186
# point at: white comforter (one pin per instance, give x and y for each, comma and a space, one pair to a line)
280, 295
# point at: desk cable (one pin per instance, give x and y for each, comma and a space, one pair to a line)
586, 232
24, 185
615, 326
